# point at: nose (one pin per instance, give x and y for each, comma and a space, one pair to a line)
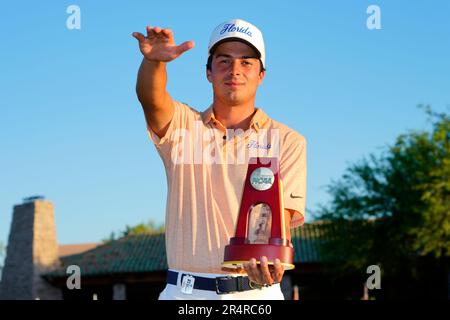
235, 67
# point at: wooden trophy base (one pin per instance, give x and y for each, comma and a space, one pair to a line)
237, 254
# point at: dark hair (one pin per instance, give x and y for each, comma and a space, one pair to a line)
209, 63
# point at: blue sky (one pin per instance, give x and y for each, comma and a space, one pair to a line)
72, 129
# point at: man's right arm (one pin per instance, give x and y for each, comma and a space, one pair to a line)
153, 96
158, 48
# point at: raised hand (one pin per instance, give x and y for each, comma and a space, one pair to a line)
159, 45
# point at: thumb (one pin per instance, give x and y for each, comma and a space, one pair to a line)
139, 36
185, 46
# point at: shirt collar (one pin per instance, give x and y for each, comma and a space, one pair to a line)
259, 118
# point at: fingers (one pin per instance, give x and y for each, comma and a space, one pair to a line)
278, 271
252, 270
185, 46
167, 32
157, 35
265, 274
157, 32
150, 33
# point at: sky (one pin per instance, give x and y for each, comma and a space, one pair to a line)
72, 129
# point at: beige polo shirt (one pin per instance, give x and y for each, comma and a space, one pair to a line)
206, 165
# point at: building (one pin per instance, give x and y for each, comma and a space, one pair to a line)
133, 267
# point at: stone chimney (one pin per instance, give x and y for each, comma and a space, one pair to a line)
32, 249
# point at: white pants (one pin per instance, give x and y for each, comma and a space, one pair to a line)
173, 292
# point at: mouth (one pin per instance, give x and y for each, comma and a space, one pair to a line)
233, 84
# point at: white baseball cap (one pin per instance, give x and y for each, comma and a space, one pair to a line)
240, 30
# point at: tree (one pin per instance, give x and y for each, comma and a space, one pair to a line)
142, 228
392, 209
2, 256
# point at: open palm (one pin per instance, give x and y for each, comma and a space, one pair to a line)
159, 45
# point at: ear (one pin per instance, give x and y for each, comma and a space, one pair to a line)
262, 74
208, 75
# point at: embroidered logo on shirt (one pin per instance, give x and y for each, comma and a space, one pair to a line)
255, 145
294, 197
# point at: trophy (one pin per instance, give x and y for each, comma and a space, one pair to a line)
260, 229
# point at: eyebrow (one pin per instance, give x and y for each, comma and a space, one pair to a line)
228, 56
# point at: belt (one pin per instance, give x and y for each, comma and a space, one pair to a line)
220, 285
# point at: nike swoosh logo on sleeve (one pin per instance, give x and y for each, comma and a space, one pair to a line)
294, 197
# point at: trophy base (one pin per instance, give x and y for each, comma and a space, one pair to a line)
236, 255
240, 264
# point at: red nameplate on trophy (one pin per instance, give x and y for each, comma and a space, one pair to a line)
260, 229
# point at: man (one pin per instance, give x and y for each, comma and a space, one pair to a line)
206, 154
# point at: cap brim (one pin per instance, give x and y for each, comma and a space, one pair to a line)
214, 47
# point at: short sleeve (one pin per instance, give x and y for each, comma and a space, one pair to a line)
182, 116
293, 177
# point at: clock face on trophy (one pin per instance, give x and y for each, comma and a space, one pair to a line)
260, 229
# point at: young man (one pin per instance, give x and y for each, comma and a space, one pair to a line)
206, 155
